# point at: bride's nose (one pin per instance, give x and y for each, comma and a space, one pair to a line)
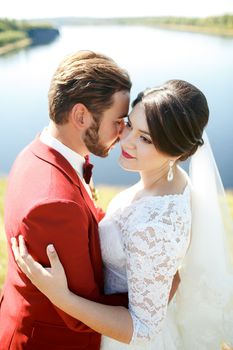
126, 138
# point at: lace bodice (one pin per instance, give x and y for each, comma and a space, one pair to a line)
143, 243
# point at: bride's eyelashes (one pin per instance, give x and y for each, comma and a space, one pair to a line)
128, 125
127, 122
144, 139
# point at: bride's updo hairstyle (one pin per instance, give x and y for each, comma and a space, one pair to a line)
176, 113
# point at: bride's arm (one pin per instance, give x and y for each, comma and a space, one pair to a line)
112, 321
175, 285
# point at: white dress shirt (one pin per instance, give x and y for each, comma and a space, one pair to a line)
75, 159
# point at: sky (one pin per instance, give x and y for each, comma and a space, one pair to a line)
26, 9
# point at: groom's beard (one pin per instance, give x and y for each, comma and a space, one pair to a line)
93, 143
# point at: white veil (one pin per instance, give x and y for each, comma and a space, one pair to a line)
204, 300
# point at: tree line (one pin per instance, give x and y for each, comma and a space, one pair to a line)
13, 30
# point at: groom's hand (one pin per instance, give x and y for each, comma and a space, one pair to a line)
50, 281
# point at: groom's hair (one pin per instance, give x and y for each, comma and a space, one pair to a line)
85, 77
176, 113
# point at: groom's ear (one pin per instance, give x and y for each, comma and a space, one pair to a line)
80, 116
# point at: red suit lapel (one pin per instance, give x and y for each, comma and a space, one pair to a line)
55, 158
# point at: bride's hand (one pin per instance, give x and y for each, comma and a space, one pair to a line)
50, 281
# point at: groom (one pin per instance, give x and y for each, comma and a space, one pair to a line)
48, 201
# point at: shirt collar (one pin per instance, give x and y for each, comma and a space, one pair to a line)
75, 159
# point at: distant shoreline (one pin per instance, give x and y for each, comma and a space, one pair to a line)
172, 27
102, 186
215, 25
198, 29
15, 35
39, 33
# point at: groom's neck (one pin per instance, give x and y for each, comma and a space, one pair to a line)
69, 136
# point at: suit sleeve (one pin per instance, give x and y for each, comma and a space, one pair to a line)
66, 225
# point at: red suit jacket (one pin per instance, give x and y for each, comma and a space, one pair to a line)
47, 203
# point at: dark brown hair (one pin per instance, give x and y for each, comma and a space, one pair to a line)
176, 113
85, 77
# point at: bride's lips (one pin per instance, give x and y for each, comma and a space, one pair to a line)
126, 155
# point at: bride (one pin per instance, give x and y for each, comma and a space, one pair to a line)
146, 236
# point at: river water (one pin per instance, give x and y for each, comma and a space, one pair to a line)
151, 57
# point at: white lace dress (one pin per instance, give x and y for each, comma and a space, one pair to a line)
143, 243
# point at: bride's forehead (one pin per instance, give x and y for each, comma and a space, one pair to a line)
138, 117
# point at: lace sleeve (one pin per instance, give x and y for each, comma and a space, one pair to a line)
154, 250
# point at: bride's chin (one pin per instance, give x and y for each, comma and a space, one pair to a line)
125, 166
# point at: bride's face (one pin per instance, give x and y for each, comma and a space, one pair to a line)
138, 152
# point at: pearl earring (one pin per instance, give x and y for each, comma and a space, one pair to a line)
170, 171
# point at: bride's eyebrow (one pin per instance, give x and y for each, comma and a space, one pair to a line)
142, 131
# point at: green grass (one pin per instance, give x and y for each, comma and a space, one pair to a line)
230, 201
106, 193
